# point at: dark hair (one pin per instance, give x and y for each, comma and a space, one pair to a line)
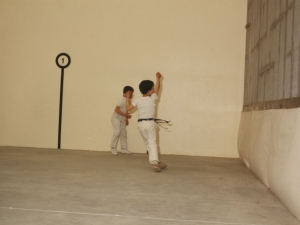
145, 86
127, 88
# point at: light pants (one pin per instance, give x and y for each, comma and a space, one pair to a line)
119, 131
148, 132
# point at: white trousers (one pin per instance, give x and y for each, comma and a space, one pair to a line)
148, 132
119, 132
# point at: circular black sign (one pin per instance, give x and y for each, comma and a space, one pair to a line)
63, 60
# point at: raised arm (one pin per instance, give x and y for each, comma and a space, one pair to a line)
157, 85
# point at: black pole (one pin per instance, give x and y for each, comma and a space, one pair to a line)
61, 64
60, 105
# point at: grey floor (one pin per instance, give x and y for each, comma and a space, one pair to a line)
44, 186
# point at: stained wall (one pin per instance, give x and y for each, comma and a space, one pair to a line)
268, 140
272, 55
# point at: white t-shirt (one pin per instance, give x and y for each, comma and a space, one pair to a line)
145, 106
122, 105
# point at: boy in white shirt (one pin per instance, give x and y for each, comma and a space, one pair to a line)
146, 123
119, 120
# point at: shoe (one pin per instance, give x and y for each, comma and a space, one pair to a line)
162, 165
156, 166
114, 152
125, 151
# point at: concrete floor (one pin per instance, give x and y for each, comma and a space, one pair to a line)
43, 186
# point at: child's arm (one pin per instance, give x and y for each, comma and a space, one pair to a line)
129, 106
157, 85
117, 110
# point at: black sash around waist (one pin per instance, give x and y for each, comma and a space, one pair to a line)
140, 120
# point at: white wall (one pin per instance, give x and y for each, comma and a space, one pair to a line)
269, 145
198, 46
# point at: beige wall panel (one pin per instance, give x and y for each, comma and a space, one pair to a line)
268, 86
261, 92
255, 78
287, 76
263, 20
268, 142
198, 46
269, 145
289, 31
278, 8
245, 137
296, 74
283, 5
297, 25
273, 36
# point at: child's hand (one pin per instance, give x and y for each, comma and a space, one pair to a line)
128, 94
158, 75
127, 122
128, 116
